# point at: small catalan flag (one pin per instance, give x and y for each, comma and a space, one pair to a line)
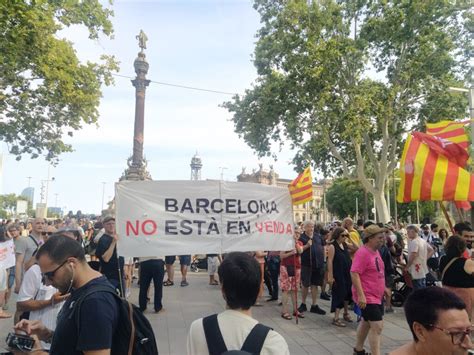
301, 188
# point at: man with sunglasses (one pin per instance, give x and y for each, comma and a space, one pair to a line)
63, 265
368, 287
439, 323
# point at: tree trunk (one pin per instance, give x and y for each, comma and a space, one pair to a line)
366, 208
381, 206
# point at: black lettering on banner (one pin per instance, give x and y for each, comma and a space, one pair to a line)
264, 206
170, 228
213, 205
253, 206
239, 208
274, 207
199, 223
232, 227
213, 228
187, 206
186, 228
244, 227
202, 203
230, 204
171, 205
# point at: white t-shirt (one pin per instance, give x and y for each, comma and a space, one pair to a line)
418, 268
33, 289
235, 327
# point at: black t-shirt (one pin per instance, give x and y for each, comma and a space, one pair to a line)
316, 251
98, 320
110, 268
455, 275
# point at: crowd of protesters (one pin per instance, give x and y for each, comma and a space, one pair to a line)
351, 264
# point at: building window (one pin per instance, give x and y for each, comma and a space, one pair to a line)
304, 217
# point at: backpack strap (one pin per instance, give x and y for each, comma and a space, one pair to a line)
254, 342
214, 339
78, 303
447, 267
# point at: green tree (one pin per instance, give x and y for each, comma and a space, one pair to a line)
45, 91
8, 204
342, 195
342, 81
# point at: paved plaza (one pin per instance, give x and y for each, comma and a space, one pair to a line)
313, 335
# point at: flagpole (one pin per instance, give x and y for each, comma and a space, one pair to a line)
443, 208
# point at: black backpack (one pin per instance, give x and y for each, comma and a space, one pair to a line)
134, 334
215, 342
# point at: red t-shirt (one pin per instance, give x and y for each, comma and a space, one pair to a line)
293, 260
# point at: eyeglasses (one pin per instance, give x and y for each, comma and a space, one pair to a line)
50, 274
457, 337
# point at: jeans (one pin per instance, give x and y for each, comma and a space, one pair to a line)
419, 284
274, 270
151, 269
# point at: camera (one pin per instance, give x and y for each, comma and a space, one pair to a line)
19, 341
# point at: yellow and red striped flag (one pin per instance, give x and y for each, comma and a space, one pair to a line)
452, 131
426, 175
301, 188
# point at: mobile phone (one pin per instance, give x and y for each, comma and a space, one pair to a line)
20, 341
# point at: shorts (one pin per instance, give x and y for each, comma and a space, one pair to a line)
183, 259
212, 263
310, 277
289, 283
372, 313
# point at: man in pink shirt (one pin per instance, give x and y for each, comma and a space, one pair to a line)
368, 285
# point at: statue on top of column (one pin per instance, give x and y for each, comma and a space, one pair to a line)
142, 38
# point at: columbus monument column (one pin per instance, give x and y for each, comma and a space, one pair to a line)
136, 163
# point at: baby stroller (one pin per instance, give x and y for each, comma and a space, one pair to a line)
199, 262
402, 286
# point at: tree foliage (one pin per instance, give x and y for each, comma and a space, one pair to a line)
45, 91
8, 204
342, 197
342, 81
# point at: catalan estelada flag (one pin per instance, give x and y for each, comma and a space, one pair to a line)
427, 175
452, 131
301, 188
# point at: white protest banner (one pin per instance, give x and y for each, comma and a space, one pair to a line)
157, 218
7, 254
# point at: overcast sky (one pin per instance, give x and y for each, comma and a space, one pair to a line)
207, 44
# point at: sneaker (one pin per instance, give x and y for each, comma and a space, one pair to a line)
302, 308
360, 352
389, 310
315, 309
325, 296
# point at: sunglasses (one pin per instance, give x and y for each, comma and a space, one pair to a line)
345, 235
50, 274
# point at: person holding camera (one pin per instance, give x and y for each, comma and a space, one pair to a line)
90, 332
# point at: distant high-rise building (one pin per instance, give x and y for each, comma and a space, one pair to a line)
29, 194
196, 165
